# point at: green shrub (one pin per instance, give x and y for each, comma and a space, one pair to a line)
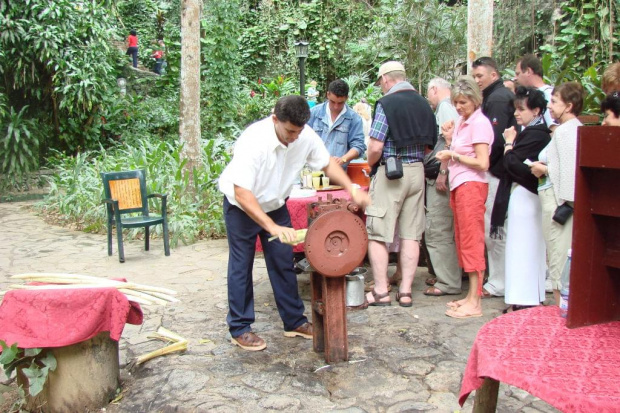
76, 190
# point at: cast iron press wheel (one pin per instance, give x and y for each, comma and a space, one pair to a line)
336, 243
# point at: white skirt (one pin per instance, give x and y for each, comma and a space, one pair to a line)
525, 249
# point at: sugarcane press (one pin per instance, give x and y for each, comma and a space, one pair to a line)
336, 243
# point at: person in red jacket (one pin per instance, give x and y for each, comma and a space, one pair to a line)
158, 55
132, 47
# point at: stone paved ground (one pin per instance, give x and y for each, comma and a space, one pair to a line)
401, 359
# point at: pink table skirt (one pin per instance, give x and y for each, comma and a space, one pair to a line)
575, 370
298, 209
58, 318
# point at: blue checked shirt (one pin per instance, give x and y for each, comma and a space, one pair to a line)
379, 131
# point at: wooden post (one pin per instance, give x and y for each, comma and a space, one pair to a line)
479, 30
486, 397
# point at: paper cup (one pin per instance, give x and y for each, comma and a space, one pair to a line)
316, 182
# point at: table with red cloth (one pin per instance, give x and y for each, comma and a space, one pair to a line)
298, 209
62, 317
575, 370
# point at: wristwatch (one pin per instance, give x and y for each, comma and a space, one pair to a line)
443, 172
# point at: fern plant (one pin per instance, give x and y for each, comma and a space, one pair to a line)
19, 146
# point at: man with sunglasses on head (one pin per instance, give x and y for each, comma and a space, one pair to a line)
498, 107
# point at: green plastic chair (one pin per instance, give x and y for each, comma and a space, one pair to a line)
125, 193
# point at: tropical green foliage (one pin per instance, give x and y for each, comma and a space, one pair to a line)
220, 69
76, 190
35, 366
57, 63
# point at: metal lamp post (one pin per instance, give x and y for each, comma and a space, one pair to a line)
301, 47
122, 85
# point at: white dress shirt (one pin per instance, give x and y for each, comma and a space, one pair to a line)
268, 168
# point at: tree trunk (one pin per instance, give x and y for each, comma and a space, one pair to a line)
189, 125
479, 30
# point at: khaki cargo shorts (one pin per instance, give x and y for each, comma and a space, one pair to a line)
397, 202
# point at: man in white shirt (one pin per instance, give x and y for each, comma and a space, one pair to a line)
529, 73
267, 160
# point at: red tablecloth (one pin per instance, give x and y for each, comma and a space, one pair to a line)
575, 370
298, 209
57, 318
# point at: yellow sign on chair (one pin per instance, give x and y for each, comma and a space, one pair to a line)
127, 192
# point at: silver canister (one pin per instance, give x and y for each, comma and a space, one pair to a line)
355, 287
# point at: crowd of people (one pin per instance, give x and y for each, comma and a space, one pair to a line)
484, 168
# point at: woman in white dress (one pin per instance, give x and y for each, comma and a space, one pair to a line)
517, 197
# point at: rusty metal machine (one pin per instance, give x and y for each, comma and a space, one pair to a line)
336, 243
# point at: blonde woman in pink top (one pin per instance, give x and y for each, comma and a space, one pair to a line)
467, 159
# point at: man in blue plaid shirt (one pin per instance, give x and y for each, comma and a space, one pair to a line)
403, 126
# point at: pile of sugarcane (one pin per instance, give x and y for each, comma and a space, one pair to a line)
139, 293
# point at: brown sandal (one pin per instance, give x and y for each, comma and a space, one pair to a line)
377, 297
404, 295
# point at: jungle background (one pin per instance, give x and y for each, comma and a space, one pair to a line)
63, 118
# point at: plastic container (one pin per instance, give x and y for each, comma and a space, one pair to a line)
359, 173
564, 290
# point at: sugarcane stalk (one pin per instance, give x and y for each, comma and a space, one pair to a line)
143, 295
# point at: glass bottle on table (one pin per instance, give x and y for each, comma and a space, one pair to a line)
565, 283
305, 172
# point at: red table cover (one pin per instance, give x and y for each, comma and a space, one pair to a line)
58, 318
575, 370
298, 209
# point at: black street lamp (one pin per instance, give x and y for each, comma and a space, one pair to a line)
301, 47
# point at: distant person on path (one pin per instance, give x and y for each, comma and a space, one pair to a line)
267, 160
340, 128
158, 55
132, 47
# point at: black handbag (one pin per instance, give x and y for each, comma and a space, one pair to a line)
393, 168
562, 213
431, 170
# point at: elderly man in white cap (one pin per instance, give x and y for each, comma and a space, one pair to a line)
403, 126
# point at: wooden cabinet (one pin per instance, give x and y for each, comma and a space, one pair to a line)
595, 270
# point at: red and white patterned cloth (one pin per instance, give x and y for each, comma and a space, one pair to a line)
58, 318
575, 370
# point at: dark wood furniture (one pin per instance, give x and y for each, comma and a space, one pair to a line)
595, 270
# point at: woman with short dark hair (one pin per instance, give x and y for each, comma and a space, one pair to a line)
517, 198
555, 171
610, 107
